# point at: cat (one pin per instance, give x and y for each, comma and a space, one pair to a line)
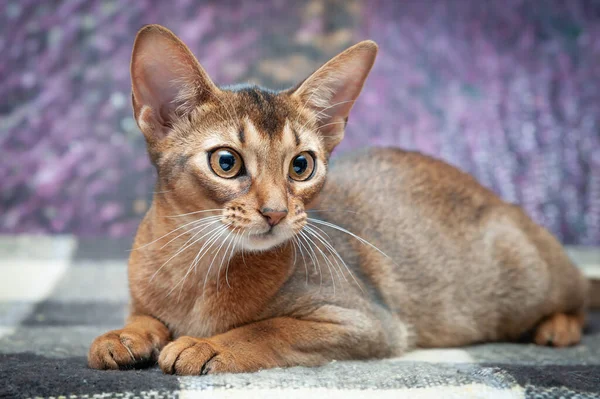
258, 252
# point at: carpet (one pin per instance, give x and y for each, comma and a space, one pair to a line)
57, 294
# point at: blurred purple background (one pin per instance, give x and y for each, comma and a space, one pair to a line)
507, 90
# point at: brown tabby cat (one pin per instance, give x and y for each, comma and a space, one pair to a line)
232, 274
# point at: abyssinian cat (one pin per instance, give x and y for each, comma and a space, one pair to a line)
257, 252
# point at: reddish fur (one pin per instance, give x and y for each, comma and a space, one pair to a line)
463, 265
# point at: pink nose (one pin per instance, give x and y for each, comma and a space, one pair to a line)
273, 217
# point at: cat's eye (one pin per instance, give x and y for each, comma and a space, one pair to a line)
225, 163
302, 166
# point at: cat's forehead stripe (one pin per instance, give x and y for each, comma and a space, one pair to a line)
265, 108
242, 135
290, 138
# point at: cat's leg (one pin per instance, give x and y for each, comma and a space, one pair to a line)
135, 345
567, 296
560, 330
280, 342
544, 295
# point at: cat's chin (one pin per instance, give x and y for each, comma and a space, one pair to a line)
264, 242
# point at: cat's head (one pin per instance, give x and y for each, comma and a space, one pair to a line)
255, 156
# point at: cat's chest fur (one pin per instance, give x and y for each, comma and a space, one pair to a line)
194, 316
203, 304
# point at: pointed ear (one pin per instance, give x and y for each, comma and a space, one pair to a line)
167, 80
332, 90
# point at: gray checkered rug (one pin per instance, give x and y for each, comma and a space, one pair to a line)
56, 295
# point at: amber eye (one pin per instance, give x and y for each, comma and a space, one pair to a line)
225, 163
302, 166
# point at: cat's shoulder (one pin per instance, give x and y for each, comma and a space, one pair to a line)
411, 170
386, 157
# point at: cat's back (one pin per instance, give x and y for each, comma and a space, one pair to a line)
390, 180
441, 229
409, 204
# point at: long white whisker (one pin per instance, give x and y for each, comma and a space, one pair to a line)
244, 259
331, 210
321, 230
297, 242
237, 239
202, 222
194, 213
312, 232
209, 243
160, 238
183, 248
343, 230
306, 246
225, 256
316, 265
328, 263
295, 251
193, 264
337, 254
212, 262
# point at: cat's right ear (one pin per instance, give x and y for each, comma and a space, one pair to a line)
332, 90
167, 81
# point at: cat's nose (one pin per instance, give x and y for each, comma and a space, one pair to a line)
273, 217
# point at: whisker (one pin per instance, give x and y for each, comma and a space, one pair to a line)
315, 264
182, 281
295, 252
160, 238
202, 222
297, 243
324, 242
192, 266
321, 230
197, 258
193, 213
337, 254
211, 265
210, 242
328, 267
331, 210
183, 248
329, 264
225, 256
307, 248
343, 230
238, 237
243, 259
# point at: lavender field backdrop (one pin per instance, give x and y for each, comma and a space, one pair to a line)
507, 90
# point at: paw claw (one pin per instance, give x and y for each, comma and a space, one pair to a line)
188, 356
119, 349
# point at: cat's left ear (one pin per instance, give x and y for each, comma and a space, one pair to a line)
332, 90
167, 81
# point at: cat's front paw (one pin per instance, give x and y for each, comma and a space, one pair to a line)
121, 349
194, 356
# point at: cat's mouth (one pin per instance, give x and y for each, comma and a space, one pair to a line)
265, 240
264, 235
